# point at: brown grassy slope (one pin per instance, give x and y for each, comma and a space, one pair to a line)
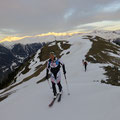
99, 53
44, 55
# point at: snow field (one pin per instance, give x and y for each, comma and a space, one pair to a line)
88, 100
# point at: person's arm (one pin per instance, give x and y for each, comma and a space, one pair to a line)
63, 67
47, 70
64, 71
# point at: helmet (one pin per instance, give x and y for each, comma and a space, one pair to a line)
52, 53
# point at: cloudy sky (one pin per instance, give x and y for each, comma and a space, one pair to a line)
30, 17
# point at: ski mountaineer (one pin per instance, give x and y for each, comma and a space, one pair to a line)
54, 64
85, 65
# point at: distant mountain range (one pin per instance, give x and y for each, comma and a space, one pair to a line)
12, 58
12, 54
113, 36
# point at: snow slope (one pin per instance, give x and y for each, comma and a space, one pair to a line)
89, 100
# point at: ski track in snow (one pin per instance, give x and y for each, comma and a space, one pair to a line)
88, 100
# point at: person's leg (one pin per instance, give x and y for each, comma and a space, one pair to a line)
59, 81
59, 86
85, 67
54, 89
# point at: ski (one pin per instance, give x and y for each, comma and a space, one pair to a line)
59, 98
51, 104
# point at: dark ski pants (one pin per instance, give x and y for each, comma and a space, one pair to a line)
54, 87
85, 67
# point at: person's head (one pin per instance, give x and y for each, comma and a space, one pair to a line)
52, 55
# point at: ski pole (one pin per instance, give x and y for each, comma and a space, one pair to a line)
49, 84
67, 85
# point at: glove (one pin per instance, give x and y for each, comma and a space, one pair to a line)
47, 74
64, 72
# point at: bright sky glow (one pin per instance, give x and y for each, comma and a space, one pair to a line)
13, 38
34, 17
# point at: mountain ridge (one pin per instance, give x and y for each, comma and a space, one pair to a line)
89, 99
10, 59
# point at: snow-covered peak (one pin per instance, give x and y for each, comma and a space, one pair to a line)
33, 39
108, 35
